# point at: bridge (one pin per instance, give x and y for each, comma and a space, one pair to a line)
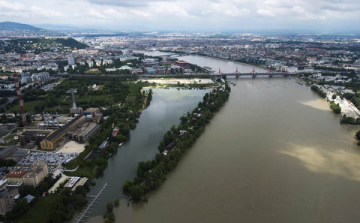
236, 74
254, 74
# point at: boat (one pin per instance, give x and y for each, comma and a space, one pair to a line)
288, 77
121, 144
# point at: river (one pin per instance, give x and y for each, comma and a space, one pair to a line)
165, 110
226, 66
274, 153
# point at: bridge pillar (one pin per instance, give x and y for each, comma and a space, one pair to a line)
270, 75
237, 76
254, 75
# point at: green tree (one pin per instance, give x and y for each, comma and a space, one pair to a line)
136, 193
126, 187
357, 135
109, 207
116, 202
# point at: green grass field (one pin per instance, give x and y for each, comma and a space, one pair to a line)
28, 106
84, 171
41, 210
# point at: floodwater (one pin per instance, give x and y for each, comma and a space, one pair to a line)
273, 153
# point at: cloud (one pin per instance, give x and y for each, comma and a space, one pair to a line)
266, 13
12, 6
93, 13
21, 10
186, 14
125, 3
45, 12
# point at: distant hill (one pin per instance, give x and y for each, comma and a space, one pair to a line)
17, 26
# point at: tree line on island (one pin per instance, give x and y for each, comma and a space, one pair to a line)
173, 146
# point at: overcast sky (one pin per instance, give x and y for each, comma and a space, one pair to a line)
192, 15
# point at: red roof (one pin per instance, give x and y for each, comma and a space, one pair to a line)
16, 174
115, 131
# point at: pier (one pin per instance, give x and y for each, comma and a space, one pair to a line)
83, 215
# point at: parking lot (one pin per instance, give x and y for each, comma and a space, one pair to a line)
52, 159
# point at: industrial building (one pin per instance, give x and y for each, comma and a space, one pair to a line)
8, 151
33, 137
59, 136
84, 132
93, 113
50, 122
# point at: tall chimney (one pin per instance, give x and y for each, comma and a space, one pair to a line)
73, 98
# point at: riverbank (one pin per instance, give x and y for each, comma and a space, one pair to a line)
90, 163
200, 54
174, 144
338, 103
238, 61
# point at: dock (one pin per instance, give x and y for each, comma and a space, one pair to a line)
84, 214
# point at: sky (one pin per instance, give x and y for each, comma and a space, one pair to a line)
187, 15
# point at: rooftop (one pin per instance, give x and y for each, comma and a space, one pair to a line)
16, 174
62, 130
6, 150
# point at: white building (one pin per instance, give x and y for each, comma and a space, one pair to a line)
90, 63
71, 60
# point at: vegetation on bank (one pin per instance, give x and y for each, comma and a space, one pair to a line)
176, 141
350, 120
357, 136
335, 107
61, 206
125, 118
149, 98
318, 90
109, 216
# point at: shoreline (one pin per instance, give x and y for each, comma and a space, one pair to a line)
151, 174
199, 54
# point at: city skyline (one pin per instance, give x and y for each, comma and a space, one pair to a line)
203, 15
